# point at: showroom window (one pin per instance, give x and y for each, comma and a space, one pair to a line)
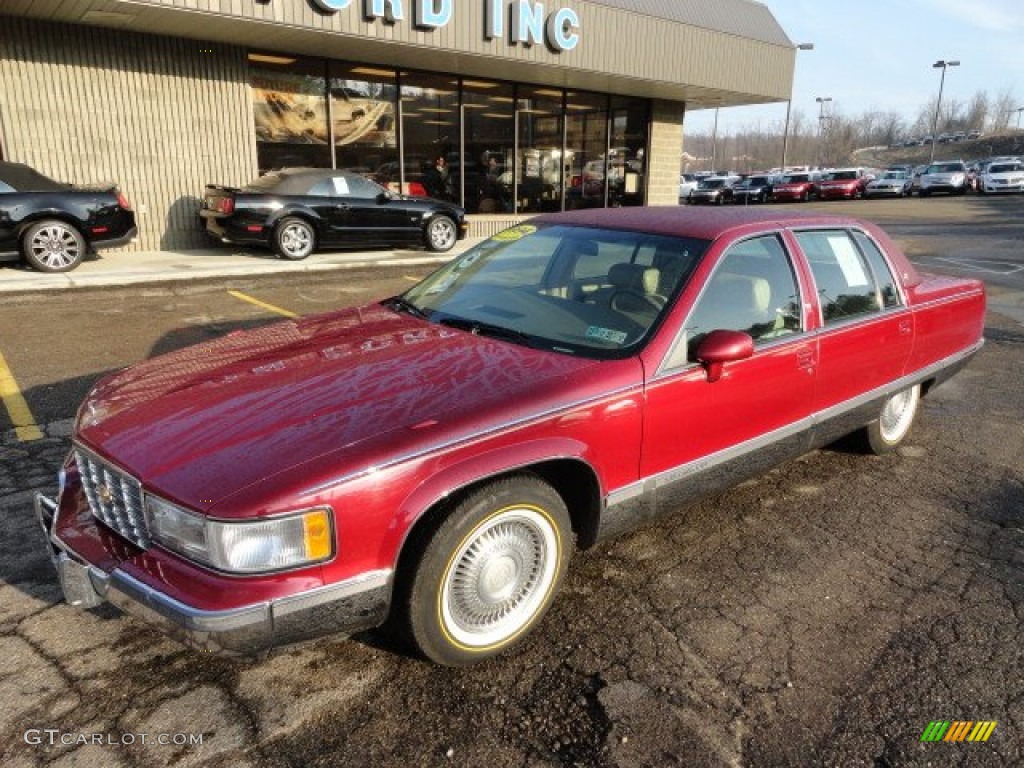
430, 134
289, 111
489, 121
586, 148
539, 171
363, 119
628, 154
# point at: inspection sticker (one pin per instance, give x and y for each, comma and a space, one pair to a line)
605, 334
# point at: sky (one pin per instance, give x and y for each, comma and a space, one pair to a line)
878, 55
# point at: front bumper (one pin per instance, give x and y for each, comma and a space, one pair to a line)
335, 609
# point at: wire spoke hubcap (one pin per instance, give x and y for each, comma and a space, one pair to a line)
897, 414
500, 577
442, 234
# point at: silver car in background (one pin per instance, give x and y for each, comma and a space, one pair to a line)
890, 183
948, 176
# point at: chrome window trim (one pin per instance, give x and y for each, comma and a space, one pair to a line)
897, 279
673, 474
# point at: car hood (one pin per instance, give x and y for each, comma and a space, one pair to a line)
362, 385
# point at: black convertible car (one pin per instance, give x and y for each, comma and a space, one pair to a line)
297, 210
53, 225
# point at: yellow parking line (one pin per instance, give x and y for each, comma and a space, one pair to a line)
269, 307
24, 425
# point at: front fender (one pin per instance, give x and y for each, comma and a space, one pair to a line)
476, 468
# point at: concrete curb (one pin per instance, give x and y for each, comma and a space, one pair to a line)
124, 268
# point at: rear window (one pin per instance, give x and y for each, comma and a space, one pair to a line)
22, 178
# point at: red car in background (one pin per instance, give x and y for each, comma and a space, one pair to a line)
437, 457
796, 186
844, 183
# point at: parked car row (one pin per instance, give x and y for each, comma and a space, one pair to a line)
53, 226
950, 177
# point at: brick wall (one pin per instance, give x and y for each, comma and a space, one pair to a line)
666, 146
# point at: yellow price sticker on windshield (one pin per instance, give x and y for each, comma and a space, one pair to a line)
514, 233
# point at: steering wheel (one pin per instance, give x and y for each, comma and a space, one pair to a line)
653, 301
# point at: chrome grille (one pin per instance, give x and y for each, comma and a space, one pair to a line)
115, 498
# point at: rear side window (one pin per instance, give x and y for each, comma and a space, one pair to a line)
844, 280
880, 267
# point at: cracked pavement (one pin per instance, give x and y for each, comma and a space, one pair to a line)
822, 614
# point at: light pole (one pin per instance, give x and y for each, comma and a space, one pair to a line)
821, 125
714, 141
789, 106
940, 64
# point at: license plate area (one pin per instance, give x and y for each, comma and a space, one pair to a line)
76, 583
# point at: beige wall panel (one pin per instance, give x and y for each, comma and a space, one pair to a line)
666, 142
80, 104
620, 51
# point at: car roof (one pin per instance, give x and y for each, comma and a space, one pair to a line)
686, 221
24, 178
298, 181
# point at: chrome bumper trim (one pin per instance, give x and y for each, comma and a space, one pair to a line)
343, 608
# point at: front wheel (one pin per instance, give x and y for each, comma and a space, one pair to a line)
894, 422
489, 571
53, 246
294, 239
441, 234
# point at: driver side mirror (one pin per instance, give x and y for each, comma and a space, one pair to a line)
721, 347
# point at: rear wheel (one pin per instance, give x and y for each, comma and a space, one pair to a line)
894, 422
441, 234
489, 571
53, 246
294, 239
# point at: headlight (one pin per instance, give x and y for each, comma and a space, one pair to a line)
251, 546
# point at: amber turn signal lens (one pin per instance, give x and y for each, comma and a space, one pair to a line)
317, 534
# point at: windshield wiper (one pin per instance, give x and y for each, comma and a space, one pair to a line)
402, 304
486, 329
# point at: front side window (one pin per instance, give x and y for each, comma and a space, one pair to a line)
845, 284
753, 290
575, 290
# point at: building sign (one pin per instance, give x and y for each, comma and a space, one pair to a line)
525, 22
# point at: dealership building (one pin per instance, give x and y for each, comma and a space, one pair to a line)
533, 106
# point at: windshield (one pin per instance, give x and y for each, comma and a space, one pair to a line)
575, 290
895, 175
841, 176
1005, 168
797, 178
946, 168
712, 183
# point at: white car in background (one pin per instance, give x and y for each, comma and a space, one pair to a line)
1002, 176
687, 185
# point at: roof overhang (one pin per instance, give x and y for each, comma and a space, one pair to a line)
663, 49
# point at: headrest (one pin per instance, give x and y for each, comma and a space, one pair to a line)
634, 277
744, 292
